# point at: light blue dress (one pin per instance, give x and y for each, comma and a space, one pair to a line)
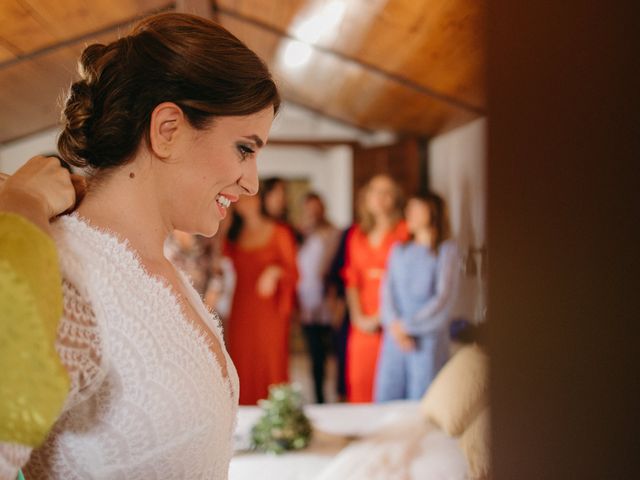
418, 289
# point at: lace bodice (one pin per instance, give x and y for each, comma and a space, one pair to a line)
148, 398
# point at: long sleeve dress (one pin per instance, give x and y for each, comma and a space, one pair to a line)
148, 397
258, 328
364, 269
419, 289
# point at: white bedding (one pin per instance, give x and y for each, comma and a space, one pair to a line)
356, 442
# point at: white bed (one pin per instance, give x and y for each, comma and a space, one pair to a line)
356, 442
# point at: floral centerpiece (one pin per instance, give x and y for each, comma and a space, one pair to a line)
283, 425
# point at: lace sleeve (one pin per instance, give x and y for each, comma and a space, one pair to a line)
79, 346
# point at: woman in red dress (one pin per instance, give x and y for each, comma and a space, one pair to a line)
368, 246
264, 257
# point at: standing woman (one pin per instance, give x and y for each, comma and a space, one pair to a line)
314, 260
274, 199
167, 123
368, 247
273, 192
418, 292
264, 258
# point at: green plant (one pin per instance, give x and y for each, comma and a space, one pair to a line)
283, 425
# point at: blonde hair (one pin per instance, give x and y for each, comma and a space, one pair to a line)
366, 220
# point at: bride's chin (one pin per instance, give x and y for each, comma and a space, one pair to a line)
211, 229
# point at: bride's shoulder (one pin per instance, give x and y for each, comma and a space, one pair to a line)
82, 246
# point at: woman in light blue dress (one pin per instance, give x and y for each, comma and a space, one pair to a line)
417, 295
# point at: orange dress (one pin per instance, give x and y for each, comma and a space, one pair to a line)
258, 328
364, 267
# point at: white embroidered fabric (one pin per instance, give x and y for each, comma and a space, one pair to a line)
148, 399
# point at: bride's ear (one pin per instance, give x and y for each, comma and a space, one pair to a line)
167, 119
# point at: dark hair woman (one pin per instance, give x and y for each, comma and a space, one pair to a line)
167, 123
264, 258
273, 194
417, 295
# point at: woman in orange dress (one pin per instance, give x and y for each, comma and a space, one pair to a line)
264, 258
368, 247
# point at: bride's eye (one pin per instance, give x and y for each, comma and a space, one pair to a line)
245, 151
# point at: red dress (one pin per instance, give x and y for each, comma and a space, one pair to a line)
364, 267
258, 328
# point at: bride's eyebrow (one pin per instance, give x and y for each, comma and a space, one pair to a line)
258, 141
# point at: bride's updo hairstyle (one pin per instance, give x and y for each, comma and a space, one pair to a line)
170, 57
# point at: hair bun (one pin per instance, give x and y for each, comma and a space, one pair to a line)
89, 62
170, 57
73, 141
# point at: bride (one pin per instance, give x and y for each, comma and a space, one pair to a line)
167, 122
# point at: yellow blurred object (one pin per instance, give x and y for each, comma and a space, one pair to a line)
33, 384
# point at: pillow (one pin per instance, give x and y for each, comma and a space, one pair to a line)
475, 444
459, 392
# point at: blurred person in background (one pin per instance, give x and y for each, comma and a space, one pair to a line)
320, 240
336, 295
201, 259
273, 192
222, 281
193, 254
264, 258
274, 199
368, 245
417, 294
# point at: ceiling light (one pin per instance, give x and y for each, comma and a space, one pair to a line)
296, 54
322, 22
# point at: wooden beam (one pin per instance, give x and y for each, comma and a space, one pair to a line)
365, 65
85, 37
202, 8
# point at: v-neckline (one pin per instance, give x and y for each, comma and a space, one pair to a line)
205, 316
164, 285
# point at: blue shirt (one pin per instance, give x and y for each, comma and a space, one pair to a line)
419, 287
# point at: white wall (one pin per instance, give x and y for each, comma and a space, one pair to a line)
457, 171
294, 122
14, 154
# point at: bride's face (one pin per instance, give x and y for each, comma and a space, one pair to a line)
210, 169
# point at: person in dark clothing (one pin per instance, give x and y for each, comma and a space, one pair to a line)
336, 290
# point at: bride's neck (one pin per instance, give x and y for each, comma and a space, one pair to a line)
126, 203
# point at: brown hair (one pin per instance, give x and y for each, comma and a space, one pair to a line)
171, 57
315, 196
366, 219
266, 187
439, 221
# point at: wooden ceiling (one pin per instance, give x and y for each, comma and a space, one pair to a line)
409, 66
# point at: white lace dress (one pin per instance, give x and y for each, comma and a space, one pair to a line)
148, 397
